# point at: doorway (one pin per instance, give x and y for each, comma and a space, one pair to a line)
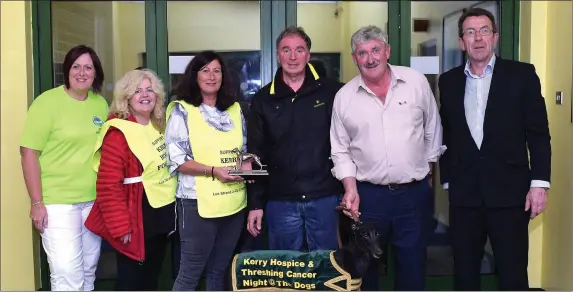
430, 31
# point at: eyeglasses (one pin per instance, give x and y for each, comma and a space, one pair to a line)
484, 31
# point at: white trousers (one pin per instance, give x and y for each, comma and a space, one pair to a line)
73, 251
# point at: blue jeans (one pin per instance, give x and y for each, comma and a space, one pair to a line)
290, 222
402, 217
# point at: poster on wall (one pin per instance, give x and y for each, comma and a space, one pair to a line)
452, 55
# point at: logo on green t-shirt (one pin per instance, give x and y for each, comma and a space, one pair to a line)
97, 121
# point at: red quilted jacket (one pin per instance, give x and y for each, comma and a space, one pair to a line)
118, 207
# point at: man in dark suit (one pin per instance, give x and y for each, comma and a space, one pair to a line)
492, 112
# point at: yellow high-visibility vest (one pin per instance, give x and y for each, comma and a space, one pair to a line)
148, 145
213, 148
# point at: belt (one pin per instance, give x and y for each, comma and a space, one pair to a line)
132, 180
403, 185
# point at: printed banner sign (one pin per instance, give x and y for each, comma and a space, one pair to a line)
290, 270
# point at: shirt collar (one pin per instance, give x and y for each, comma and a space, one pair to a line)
395, 76
488, 69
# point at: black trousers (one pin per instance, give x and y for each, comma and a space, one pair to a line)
133, 276
507, 229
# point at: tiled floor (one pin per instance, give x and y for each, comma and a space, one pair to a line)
440, 261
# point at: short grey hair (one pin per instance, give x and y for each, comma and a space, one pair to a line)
367, 33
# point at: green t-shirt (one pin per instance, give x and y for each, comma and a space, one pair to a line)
65, 130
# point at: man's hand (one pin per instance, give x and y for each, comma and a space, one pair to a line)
430, 174
254, 222
536, 200
352, 202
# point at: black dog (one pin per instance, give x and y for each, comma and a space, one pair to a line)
364, 246
352, 259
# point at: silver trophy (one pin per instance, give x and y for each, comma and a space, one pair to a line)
245, 156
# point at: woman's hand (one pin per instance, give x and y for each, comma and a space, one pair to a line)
31, 170
222, 174
126, 238
248, 165
39, 216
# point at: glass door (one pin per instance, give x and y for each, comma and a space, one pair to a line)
429, 39
230, 28
116, 31
236, 35
330, 25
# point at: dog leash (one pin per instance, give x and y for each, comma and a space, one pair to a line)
354, 215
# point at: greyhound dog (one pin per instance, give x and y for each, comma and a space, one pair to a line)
338, 270
242, 156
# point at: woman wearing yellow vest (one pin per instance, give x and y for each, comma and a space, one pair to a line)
204, 125
56, 145
134, 208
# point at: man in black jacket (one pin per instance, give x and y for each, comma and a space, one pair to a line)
492, 113
288, 127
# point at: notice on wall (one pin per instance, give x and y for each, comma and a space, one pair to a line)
177, 64
426, 65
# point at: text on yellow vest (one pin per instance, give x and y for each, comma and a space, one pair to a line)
148, 145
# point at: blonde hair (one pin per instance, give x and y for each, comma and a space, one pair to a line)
125, 89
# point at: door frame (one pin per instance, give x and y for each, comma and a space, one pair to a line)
43, 69
275, 15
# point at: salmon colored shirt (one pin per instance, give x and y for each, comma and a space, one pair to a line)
386, 143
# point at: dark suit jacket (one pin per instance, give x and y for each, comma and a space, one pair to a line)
499, 174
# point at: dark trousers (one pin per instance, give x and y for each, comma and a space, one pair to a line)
135, 276
507, 229
248, 242
290, 223
401, 215
207, 245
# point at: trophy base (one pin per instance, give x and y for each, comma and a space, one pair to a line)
247, 174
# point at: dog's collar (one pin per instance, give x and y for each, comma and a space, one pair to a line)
356, 226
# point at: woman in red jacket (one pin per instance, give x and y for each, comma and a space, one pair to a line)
134, 208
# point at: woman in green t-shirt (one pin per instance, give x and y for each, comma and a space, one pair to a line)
57, 145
